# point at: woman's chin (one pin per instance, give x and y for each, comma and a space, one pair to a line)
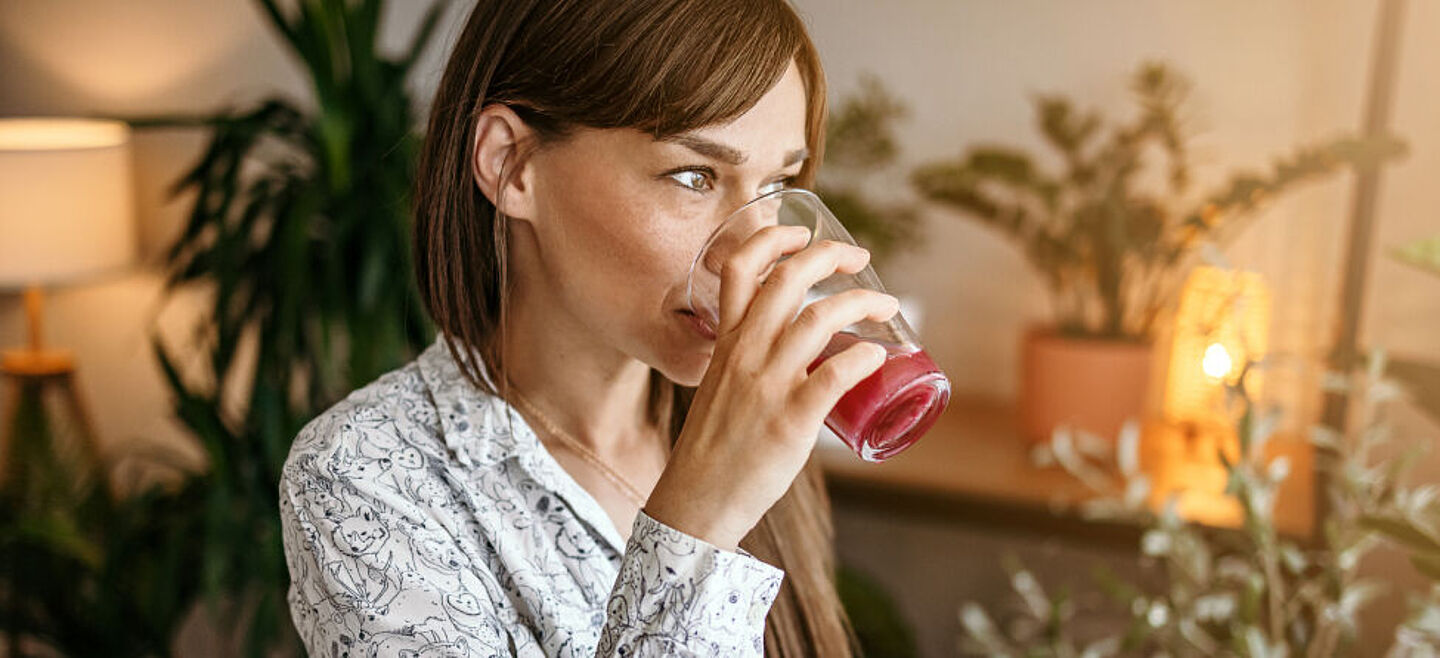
687, 369
685, 355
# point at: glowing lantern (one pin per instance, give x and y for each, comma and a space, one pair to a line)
1217, 362
1223, 322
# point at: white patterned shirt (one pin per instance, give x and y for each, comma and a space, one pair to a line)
422, 517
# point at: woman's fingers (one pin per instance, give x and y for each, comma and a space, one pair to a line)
783, 291
807, 336
755, 417
741, 273
819, 392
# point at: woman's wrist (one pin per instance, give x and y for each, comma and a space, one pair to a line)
692, 517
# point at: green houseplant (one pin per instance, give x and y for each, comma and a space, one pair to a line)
1421, 254
859, 143
86, 570
1251, 592
300, 229
1421, 377
1418, 526
1111, 233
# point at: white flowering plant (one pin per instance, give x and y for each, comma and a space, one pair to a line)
1250, 591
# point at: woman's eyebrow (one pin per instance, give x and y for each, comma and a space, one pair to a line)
727, 154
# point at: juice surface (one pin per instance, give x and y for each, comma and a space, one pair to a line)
893, 407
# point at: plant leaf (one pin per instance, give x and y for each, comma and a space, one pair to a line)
1428, 564
1401, 531
1421, 380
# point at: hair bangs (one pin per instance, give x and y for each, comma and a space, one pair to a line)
666, 67
713, 70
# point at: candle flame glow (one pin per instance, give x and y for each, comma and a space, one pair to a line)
1216, 362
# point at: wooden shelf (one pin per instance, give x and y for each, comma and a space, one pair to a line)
973, 466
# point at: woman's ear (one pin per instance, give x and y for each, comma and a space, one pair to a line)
499, 163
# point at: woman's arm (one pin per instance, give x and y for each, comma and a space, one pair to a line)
677, 595
373, 573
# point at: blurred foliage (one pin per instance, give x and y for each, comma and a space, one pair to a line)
1114, 229
1419, 529
861, 130
859, 144
1421, 377
1249, 592
880, 629
84, 571
1423, 254
300, 227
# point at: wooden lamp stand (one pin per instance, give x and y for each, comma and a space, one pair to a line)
34, 365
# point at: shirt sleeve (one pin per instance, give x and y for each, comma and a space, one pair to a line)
678, 595
372, 574
369, 578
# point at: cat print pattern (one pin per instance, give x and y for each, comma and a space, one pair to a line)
423, 518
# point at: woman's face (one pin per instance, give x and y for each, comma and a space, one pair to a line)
620, 216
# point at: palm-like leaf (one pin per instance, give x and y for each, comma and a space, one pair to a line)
300, 228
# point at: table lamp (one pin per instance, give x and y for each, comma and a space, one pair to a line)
66, 217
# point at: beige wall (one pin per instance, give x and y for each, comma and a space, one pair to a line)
1267, 76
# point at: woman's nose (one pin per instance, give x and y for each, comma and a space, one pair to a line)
737, 228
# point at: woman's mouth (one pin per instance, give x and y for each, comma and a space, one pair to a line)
699, 325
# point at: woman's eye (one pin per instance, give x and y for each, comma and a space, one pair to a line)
777, 186
693, 179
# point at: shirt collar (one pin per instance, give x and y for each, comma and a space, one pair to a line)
479, 429
482, 430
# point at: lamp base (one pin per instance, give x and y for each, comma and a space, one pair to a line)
43, 368
36, 363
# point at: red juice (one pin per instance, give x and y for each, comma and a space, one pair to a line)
893, 407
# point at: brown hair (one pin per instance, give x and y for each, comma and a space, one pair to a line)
663, 67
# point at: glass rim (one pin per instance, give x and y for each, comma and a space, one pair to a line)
710, 239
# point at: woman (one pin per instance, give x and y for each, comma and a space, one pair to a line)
541, 480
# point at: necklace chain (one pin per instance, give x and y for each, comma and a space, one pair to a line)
585, 453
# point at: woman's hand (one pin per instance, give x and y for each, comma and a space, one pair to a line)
757, 413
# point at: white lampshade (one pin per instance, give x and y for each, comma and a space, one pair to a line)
66, 203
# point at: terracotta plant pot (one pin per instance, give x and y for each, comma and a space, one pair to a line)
1089, 384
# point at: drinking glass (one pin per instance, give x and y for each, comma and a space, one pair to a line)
889, 410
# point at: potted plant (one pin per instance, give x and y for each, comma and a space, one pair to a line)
1249, 592
300, 228
860, 143
1420, 377
91, 563
1111, 233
